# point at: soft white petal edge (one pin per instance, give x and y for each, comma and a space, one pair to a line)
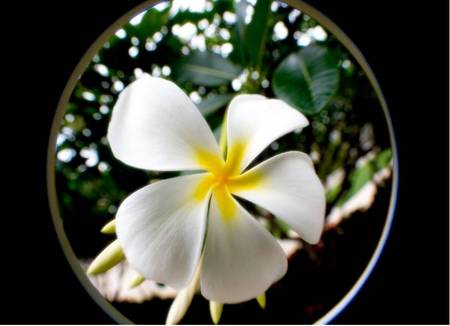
256, 121
155, 126
241, 258
161, 228
292, 191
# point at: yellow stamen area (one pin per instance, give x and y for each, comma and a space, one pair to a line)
210, 161
246, 181
235, 155
203, 187
225, 178
225, 202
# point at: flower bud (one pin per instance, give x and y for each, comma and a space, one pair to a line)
261, 300
215, 310
183, 299
108, 258
109, 227
136, 281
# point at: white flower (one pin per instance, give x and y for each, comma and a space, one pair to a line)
165, 227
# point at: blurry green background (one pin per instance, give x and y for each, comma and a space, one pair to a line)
215, 50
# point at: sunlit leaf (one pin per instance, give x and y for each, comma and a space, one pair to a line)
205, 68
307, 79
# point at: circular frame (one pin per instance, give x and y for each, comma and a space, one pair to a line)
79, 70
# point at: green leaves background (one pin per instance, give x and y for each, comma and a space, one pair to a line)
306, 79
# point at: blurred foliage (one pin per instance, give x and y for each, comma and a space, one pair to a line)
213, 53
205, 68
307, 79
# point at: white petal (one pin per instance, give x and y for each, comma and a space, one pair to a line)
155, 126
241, 258
161, 228
290, 189
255, 121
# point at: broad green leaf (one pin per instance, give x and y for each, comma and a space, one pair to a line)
256, 32
213, 103
307, 79
205, 68
240, 8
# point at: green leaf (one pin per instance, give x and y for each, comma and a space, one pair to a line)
218, 133
205, 68
333, 192
307, 79
238, 35
213, 103
223, 138
358, 178
186, 16
256, 32
365, 173
282, 225
383, 159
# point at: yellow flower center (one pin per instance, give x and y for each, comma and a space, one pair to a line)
224, 178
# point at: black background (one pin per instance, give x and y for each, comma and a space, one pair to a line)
406, 46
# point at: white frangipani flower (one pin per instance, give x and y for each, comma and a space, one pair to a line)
165, 227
